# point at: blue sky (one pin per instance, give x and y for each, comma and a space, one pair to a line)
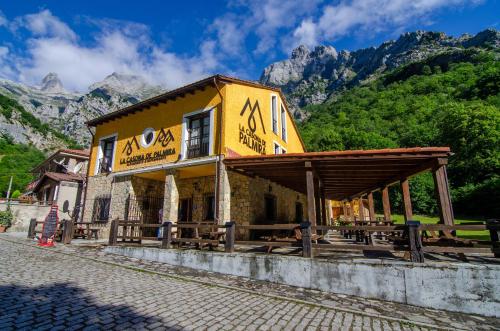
174, 42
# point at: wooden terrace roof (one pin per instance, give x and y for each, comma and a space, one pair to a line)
344, 174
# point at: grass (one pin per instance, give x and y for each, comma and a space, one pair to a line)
476, 235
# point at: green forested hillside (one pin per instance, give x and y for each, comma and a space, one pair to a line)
17, 160
448, 100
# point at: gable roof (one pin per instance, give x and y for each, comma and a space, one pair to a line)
58, 177
77, 153
173, 94
190, 88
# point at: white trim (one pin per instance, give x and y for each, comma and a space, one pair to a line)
56, 193
173, 165
275, 143
277, 118
283, 124
184, 133
100, 152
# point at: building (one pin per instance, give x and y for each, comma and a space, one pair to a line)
60, 179
164, 153
224, 149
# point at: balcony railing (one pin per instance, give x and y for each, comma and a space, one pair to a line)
104, 165
197, 147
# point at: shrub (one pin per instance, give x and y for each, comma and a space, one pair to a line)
6, 218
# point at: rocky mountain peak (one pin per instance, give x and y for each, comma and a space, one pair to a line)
312, 76
52, 84
120, 83
300, 53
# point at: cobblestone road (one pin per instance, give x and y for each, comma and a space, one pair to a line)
42, 290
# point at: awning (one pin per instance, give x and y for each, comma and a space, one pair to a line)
343, 174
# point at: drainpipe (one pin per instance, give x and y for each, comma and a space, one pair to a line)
86, 177
218, 161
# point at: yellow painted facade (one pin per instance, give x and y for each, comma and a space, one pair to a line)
246, 128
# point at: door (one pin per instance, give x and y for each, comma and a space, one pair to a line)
185, 216
299, 212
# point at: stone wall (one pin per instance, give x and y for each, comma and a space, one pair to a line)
461, 287
242, 197
23, 213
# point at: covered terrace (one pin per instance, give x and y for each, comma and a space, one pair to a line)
350, 176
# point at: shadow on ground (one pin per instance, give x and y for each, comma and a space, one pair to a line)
63, 306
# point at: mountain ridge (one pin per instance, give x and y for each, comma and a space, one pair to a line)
312, 76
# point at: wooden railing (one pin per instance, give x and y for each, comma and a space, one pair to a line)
66, 230
400, 238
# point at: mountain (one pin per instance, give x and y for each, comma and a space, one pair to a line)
49, 105
313, 76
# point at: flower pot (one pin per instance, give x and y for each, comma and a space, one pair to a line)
2, 229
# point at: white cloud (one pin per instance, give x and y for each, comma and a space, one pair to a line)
118, 47
44, 24
369, 16
306, 34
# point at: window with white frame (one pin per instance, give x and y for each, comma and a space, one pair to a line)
274, 113
283, 151
106, 154
197, 134
283, 123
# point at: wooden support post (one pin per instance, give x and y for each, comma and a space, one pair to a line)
443, 194
230, 237
361, 209
323, 204
306, 239
32, 228
494, 227
317, 200
371, 207
113, 233
166, 240
386, 203
405, 189
344, 210
415, 241
351, 205
311, 209
67, 234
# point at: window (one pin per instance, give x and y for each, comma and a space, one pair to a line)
283, 123
283, 151
276, 149
274, 113
198, 142
105, 162
147, 138
209, 208
101, 208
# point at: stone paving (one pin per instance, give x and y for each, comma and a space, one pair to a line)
71, 287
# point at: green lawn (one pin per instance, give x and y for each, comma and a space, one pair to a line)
477, 235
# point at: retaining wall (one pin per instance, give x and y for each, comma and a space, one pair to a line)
458, 287
23, 213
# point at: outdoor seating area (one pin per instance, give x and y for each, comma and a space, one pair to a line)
405, 242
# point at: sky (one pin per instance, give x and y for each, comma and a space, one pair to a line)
171, 43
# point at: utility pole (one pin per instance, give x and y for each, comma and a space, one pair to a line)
8, 191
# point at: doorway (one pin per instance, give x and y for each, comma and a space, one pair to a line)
299, 212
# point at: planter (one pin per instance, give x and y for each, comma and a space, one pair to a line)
2, 229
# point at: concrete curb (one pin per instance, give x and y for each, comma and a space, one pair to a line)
277, 297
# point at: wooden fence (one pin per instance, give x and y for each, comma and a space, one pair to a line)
66, 230
411, 238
